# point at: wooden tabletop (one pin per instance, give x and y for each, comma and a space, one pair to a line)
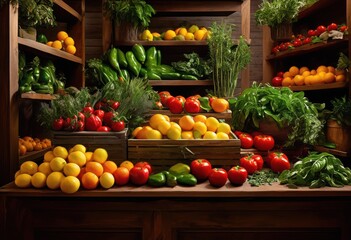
200, 190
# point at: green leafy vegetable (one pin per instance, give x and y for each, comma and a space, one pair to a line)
194, 65
317, 170
265, 176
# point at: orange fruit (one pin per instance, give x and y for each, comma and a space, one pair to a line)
287, 81
306, 73
313, 72
109, 166
186, 122
142, 133
169, 35
71, 49
220, 105
90, 180
121, 176
49, 43
38, 147
69, 41
22, 149
81, 173
294, 71
331, 69
182, 31
339, 71
329, 77
187, 135
57, 44
299, 80
287, 74
61, 35
200, 118
212, 124
303, 69
322, 68
189, 36
89, 156
199, 34
308, 79
156, 119
340, 78
127, 164
154, 134
136, 130
94, 167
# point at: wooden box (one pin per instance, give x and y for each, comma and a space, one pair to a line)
164, 153
114, 142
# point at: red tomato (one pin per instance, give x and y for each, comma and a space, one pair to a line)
201, 169
121, 175
343, 28
175, 105
297, 43
277, 81
57, 125
264, 142
164, 95
104, 129
81, 125
117, 125
81, 116
321, 29
237, 133
88, 109
237, 175
92, 123
332, 26
218, 177
100, 113
280, 74
99, 105
249, 164
259, 160
246, 140
181, 99
192, 105
144, 164
113, 104
278, 161
108, 118
307, 40
139, 175
311, 33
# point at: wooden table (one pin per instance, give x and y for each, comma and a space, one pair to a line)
200, 212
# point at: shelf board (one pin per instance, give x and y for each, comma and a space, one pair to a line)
196, 8
65, 8
167, 43
49, 50
37, 96
316, 7
332, 151
319, 86
307, 48
181, 82
34, 155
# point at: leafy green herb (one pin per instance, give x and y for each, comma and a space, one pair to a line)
317, 170
341, 111
263, 177
227, 59
343, 62
194, 65
285, 107
33, 13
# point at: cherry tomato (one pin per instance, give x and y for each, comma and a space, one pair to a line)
237, 133
246, 140
88, 109
201, 169
307, 40
263, 142
114, 104
237, 175
332, 26
280, 74
218, 177
248, 163
343, 28
278, 161
321, 29
311, 33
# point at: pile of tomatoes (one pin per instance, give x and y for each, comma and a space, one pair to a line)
311, 37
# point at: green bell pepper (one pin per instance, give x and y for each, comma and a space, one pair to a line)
187, 180
143, 73
139, 52
25, 88
45, 76
43, 88
121, 57
158, 57
133, 64
151, 57
179, 169
157, 179
27, 78
171, 180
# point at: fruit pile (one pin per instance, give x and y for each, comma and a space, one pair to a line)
304, 76
182, 33
63, 42
191, 104
188, 127
29, 144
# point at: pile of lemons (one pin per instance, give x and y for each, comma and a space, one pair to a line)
193, 32
63, 42
68, 170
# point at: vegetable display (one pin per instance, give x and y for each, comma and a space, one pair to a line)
317, 170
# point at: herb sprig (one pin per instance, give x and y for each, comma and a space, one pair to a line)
263, 177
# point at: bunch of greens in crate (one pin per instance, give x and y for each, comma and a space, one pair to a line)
227, 58
341, 111
194, 65
317, 170
285, 107
34, 13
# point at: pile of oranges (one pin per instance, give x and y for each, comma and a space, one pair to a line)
71, 169
29, 144
304, 76
63, 42
188, 127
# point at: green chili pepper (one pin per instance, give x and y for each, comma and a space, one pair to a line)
187, 179
112, 59
125, 74
108, 74
121, 58
158, 57
179, 169
171, 180
170, 76
152, 75
133, 64
143, 73
151, 57
188, 77
139, 52
157, 179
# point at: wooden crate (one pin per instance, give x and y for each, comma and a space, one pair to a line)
164, 153
114, 142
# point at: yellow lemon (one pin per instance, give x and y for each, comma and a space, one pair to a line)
38, 180
29, 167
48, 156
210, 135
199, 35
71, 169
70, 184
212, 124
53, 181
107, 180
222, 136
57, 164
23, 180
100, 155
89, 156
200, 127
44, 167
60, 151
77, 157
174, 133
224, 127
189, 36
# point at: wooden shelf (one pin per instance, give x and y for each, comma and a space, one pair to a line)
196, 8
308, 48
181, 83
34, 155
319, 86
64, 11
33, 45
316, 7
332, 151
37, 96
168, 43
